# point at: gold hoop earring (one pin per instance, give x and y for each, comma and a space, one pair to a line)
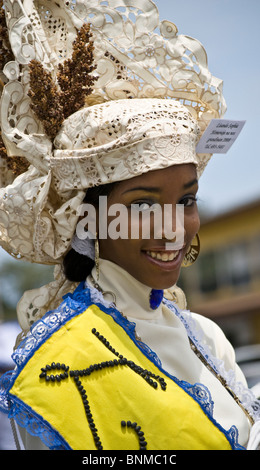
97, 256
192, 253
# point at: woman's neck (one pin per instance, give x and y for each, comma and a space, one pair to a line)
132, 297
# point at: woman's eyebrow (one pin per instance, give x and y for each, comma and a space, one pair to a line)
143, 188
157, 190
190, 183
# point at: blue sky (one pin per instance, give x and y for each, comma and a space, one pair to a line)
229, 31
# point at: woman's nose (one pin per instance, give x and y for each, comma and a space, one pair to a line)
173, 229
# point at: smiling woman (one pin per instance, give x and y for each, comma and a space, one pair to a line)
110, 358
147, 259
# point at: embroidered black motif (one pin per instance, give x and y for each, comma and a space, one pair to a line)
53, 367
49, 374
92, 426
146, 374
139, 432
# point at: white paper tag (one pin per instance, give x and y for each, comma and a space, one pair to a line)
219, 136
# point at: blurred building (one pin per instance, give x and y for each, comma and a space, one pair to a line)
224, 283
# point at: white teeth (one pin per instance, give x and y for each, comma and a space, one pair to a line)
163, 256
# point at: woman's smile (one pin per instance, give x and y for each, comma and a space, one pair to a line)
154, 261
164, 256
165, 259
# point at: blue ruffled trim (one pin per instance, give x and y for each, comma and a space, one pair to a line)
39, 333
37, 426
73, 305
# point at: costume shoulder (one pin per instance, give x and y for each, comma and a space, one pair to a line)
219, 345
73, 365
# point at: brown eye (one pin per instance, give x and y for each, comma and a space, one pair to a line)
188, 201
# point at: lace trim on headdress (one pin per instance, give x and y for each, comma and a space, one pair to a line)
136, 56
75, 304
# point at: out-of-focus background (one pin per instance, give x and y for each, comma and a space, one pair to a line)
224, 283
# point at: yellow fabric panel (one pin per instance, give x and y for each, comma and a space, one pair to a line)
170, 419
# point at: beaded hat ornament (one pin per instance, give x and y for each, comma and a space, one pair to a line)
92, 92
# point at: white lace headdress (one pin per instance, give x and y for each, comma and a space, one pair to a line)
152, 97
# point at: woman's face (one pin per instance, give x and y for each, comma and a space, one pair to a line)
147, 259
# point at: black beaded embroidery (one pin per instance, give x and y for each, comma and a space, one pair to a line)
53, 367
146, 374
139, 432
49, 374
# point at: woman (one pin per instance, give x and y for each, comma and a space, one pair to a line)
117, 365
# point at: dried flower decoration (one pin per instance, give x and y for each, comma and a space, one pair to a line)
45, 97
74, 75
6, 53
53, 102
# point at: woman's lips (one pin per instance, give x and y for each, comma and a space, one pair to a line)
163, 255
164, 259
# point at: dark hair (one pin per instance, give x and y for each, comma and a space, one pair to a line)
77, 267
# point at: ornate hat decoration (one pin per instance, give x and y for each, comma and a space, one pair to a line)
84, 83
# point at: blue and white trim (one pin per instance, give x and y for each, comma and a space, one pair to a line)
73, 305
